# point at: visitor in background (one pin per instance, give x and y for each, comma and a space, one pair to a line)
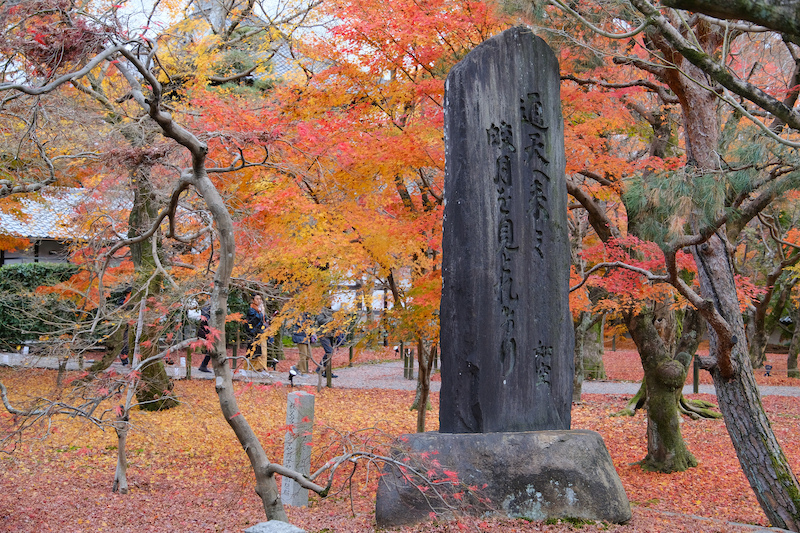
327, 339
255, 326
120, 335
202, 333
303, 338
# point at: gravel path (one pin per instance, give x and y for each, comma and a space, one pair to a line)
388, 375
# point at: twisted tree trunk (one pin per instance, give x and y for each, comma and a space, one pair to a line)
663, 382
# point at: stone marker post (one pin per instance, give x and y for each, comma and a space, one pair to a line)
506, 330
297, 446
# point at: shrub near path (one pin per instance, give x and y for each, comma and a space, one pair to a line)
187, 473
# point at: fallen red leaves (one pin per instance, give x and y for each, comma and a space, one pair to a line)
624, 365
187, 472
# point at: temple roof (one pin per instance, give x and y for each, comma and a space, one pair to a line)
47, 215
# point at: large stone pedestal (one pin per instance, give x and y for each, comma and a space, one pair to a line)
536, 475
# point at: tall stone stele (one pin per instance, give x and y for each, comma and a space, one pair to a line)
506, 330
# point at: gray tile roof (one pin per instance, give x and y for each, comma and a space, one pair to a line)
45, 216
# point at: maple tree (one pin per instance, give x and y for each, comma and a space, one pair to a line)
608, 144
357, 197
767, 253
728, 176
56, 52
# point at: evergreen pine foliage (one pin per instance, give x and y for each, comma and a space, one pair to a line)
662, 205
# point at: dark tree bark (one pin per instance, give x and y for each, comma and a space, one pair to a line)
779, 15
421, 401
761, 457
794, 345
663, 378
153, 392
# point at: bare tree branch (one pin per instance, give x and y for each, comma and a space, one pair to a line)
779, 15
597, 216
718, 72
649, 276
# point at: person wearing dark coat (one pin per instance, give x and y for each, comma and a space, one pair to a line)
327, 339
304, 340
202, 333
255, 326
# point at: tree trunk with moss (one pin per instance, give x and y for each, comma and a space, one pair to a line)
794, 345
760, 455
663, 378
693, 330
154, 391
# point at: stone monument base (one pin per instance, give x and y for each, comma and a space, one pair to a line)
536, 475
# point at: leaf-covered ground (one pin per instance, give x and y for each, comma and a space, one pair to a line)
624, 365
187, 472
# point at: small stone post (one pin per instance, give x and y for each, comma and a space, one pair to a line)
187, 361
235, 350
297, 446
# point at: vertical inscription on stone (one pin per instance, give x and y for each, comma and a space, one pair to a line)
535, 130
501, 138
506, 329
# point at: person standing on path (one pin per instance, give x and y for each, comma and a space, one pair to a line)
255, 327
202, 333
303, 338
327, 339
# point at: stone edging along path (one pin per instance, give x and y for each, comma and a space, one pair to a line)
387, 375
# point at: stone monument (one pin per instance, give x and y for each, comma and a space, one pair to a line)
506, 329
